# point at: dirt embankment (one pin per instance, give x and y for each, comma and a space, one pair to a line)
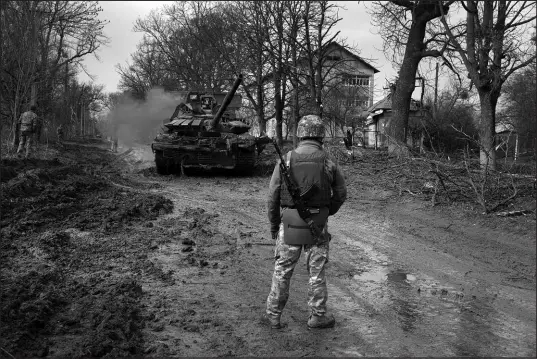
67, 286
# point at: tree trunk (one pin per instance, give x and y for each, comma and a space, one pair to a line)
259, 109
401, 97
15, 127
487, 122
278, 107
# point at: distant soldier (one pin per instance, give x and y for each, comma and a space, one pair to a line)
114, 137
28, 127
59, 132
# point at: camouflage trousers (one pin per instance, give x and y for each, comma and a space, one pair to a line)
25, 140
286, 258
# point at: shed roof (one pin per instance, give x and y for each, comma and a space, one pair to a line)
385, 105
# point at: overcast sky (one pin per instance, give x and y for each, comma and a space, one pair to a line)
355, 27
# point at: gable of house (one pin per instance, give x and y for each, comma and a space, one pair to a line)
336, 52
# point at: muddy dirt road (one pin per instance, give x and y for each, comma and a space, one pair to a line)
405, 278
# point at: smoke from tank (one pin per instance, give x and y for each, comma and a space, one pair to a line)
137, 121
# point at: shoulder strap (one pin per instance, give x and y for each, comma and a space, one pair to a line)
288, 159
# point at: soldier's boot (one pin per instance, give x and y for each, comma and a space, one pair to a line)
273, 321
321, 322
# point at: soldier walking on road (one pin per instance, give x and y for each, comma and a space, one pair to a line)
28, 127
310, 167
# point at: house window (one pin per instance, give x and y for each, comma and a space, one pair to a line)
356, 80
356, 102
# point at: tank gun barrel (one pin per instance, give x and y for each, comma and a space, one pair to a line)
227, 100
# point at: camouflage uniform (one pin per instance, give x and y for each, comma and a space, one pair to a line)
59, 133
114, 138
287, 255
28, 124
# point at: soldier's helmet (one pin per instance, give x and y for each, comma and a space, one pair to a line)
310, 126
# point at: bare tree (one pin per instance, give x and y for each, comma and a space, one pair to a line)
148, 70
320, 19
18, 58
204, 43
496, 46
53, 35
295, 23
520, 101
409, 35
182, 33
253, 33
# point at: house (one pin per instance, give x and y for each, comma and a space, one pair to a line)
348, 89
511, 143
353, 76
378, 116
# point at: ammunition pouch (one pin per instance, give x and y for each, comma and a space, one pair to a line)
296, 231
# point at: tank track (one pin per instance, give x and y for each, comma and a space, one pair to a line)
246, 161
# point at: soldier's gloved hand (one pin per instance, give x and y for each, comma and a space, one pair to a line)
274, 235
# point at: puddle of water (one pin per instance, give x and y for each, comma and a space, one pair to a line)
378, 275
436, 317
469, 326
382, 274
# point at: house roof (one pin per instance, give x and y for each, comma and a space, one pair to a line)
504, 128
385, 104
337, 46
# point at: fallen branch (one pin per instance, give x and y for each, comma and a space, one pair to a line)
522, 212
5, 351
515, 192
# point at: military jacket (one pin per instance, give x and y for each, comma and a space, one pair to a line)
331, 172
28, 121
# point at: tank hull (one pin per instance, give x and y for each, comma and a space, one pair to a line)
230, 152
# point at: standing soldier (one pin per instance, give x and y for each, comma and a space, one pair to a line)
28, 126
310, 167
59, 133
114, 137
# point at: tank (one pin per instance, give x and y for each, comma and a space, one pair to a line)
205, 132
